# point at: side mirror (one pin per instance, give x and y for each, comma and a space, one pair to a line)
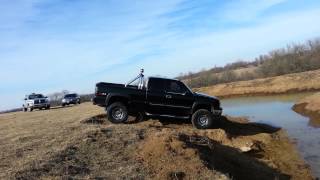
46, 97
25, 99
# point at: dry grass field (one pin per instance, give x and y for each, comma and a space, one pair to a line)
29, 136
297, 82
78, 143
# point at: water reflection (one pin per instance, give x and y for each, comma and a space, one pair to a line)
276, 111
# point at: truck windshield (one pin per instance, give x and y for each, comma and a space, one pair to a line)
187, 87
70, 95
35, 96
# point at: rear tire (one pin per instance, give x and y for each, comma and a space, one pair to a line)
117, 113
202, 119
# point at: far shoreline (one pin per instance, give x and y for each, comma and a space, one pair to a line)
303, 82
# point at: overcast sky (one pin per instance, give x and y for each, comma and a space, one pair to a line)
52, 45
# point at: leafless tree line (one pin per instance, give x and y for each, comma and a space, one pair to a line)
292, 59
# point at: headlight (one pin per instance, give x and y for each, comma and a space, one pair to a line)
63, 100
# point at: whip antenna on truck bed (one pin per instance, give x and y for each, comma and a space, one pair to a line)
141, 80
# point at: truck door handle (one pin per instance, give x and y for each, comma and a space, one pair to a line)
168, 96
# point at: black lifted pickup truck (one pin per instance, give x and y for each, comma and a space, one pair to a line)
157, 97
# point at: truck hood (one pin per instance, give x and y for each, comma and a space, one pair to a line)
205, 96
70, 98
36, 99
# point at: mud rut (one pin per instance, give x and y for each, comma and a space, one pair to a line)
125, 151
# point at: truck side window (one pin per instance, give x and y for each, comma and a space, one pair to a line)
155, 84
176, 87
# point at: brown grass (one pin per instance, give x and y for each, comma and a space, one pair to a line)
78, 142
29, 136
297, 82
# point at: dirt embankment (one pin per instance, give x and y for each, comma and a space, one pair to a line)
309, 106
290, 83
77, 142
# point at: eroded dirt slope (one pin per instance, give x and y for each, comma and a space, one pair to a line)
78, 142
309, 106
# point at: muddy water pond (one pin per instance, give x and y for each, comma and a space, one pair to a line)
276, 110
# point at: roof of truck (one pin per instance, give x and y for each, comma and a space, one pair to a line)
163, 78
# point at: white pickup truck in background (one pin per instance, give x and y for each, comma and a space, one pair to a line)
35, 101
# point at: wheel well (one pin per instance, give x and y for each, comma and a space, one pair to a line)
124, 100
202, 106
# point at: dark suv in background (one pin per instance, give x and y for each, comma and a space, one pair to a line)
70, 99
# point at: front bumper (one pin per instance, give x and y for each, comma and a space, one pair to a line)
216, 111
44, 105
70, 101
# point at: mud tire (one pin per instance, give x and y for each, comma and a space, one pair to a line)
202, 119
30, 109
117, 113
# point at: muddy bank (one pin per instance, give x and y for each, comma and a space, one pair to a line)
309, 106
173, 149
290, 83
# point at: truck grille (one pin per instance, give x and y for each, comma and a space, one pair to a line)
39, 101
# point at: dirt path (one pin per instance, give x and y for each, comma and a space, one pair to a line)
78, 142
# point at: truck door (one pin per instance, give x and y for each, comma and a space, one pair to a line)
155, 96
178, 98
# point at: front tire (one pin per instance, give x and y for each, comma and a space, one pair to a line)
202, 119
30, 109
117, 113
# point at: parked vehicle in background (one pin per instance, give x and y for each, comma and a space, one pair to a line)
35, 101
157, 97
70, 99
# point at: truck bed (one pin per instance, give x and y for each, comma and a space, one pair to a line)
104, 89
